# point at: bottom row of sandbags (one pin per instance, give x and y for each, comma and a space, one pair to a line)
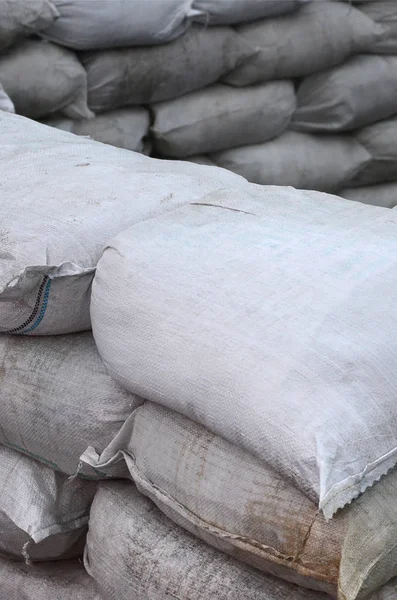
134, 552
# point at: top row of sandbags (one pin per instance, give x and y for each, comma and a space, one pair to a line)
84, 25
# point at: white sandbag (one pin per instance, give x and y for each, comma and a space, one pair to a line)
134, 551
42, 78
6, 103
56, 399
380, 141
63, 198
84, 25
383, 194
300, 287
383, 12
239, 505
124, 128
43, 515
230, 12
129, 76
360, 92
320, 35
19, 18
303, 160
64, 580
221, 117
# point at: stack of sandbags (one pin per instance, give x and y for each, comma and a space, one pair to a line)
263, 322
248, 384
277, 91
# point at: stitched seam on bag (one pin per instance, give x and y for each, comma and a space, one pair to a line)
36, 307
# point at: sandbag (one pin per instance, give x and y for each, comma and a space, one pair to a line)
19, 18
300, 287
128, 76
63, 197
6, 103
124, 128
83, 25
133, 551
360, 92
42, 78
230, 12
303, 160
383, 12
56, 399
380, 142
221, 117
320, 35
238, 504
43, 515
383, 194
65, 580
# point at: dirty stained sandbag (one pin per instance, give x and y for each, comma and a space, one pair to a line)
303, 160
6, 103
84, 25
383, 12
43, 515
128, 76
62, 580
380, 142
320, 35
221, 117
134, 551
46, 413
230, 12
293, 335
83, 194
241, 506
382, 194
360, 92
19, 18
42, 78
124, 128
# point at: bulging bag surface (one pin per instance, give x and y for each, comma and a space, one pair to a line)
134, 551
43, 515
56, 399
202, 310
238, 504
63, 198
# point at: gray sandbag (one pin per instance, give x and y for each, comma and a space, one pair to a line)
380, 141
42, 78
317, 37
238, 504
383, 194
88, 25
21, 18
134, 551
124, 128
230, 12
128, 76
43, 515
6, 103
220, 117
383, 12
56, 399
83, 193
297, 285
360, 92
63, 580
303, 160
